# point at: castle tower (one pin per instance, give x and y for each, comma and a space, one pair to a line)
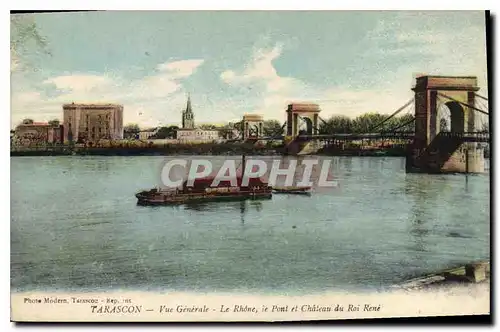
188, 116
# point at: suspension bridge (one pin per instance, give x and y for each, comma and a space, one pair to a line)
447, 128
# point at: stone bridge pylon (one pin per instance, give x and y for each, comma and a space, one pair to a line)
439, 145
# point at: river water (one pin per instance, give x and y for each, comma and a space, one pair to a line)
75, 226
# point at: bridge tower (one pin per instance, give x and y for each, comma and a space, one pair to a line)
252, 125
297, 112
442, 150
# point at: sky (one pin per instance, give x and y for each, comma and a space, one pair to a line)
233, 63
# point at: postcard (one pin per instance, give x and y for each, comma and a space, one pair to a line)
249, 166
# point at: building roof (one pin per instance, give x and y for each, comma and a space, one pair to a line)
35, 124
196, 129
91, 105
303, 107
253, 117
464, 83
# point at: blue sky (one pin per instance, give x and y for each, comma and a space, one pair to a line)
234, 63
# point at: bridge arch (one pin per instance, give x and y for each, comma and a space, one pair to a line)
429, 92
308, 124
451, 117
457, 117
298, 113
252, 125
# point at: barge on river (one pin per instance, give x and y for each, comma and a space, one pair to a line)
202, 190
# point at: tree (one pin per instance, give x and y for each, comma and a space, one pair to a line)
27, 121
166, 132
54, 123
132, 128
341, 124
208, 127
367, 122
336, 124
131, 131
226, 131
408, 120
272, 128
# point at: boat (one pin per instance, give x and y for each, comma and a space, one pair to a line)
292, 190
202, 191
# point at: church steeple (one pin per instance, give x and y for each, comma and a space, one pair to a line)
187, 115
188, 106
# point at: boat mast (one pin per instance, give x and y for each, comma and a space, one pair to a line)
243, 164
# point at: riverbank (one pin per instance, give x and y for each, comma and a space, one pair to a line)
155, 150
199, 149
469, 274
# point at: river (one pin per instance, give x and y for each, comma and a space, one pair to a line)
75, 226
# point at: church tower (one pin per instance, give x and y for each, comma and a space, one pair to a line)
188, 116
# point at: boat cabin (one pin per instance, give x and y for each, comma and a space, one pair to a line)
204, 185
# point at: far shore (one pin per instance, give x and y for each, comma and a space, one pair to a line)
215, 152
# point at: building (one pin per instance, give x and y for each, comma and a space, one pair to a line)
92, 122
189, 133
37, 133
188, 116
145, 134
197, 135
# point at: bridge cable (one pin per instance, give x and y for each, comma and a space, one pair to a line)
478, 95
392, 115
483, 105
400, 126
327, 125
411, 120
322, 120
280, 133
481, 120
462, 103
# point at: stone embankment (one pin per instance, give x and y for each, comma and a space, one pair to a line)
470, 274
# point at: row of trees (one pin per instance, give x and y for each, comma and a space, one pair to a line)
340, 124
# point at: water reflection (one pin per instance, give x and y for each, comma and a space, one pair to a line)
423, 192
242, 211
244, 207
437, 205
